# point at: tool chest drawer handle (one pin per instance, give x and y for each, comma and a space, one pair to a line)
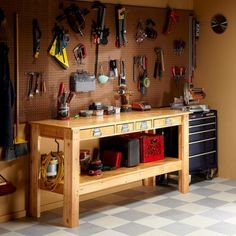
97, 132
168, 121
125, 128
143, 125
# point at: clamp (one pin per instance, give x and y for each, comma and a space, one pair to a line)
80, 53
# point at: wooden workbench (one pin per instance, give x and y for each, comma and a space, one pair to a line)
74, 130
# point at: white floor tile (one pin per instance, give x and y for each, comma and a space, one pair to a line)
154, 221
151, 208
229, 197
199, 221
231, 220
109, 222
220, 187
193, 208
109, 233
189, 197
230, 207
61, 233
204, 232
157, 232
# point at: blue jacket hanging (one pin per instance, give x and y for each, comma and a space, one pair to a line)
7, 97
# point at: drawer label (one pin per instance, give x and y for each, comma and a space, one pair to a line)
124, 128
97, 132
168, 121
143, 125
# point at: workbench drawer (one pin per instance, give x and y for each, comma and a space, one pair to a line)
125, 128
169, 121
97, 132
143, 125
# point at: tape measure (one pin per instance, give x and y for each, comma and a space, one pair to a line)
146, 82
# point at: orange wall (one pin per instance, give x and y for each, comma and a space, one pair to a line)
216, 62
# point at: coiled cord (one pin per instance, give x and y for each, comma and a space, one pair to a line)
52, 182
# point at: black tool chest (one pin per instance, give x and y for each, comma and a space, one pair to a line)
202, 143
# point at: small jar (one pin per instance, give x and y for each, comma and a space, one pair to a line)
63, 112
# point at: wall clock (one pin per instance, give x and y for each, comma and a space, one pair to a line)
219, 23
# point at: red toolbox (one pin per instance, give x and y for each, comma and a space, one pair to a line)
111, 158
151, 146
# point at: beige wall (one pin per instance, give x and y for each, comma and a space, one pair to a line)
216, 63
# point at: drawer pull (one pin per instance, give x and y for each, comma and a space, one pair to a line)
97, 132
143, 125
125, 128
168, 121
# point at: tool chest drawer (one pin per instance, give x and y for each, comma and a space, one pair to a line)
199, 162
202, 135
200, 146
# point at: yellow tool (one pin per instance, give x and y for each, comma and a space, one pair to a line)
60, 57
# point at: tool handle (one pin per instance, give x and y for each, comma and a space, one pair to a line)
61, 89
155, 70
17, 103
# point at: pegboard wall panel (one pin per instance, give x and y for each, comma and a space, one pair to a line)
161, 91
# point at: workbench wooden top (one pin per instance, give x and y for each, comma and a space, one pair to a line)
93, 121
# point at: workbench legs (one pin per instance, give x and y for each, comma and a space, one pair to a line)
71, 179
34, 191
71, 176
183, 154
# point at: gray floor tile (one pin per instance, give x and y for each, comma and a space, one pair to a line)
171, 202
232, 191
175, 215
11, 234
132, 229
131, 215
219, 214
91, 215
211, 202
3, 231
85, 229
223, 227
204, 191
229, 182
146, 211
179, 228
38, 230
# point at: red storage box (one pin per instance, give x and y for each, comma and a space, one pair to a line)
151, 146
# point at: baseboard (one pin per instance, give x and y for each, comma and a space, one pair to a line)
12, 216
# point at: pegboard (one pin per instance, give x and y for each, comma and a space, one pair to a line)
161, 91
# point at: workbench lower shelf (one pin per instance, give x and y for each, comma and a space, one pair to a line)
123, 175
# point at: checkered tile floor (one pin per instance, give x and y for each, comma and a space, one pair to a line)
209, 209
